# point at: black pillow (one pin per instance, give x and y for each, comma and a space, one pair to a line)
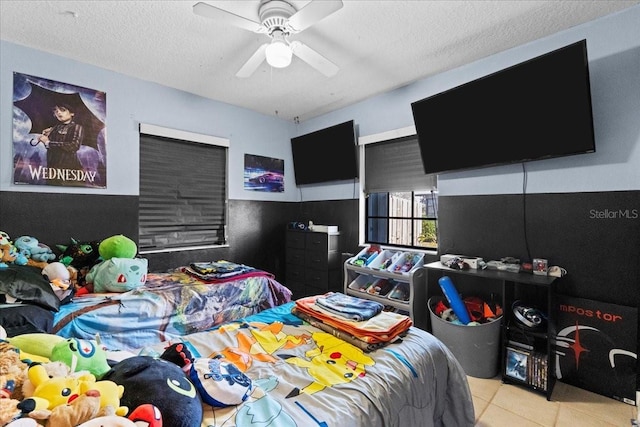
27, 284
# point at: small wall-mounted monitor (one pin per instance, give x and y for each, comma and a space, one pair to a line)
326, 155
535, 110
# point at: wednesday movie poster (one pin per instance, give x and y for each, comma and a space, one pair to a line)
59, 133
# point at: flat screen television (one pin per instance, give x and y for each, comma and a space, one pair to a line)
534, 110
326, 155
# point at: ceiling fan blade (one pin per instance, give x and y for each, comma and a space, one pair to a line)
313, 12
314, 59
208, 11
253, 63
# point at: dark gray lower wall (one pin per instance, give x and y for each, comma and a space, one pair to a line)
595, 236
256, 229
55, 218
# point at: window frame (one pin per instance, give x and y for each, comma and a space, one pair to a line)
363, 235
412, 219
199, 140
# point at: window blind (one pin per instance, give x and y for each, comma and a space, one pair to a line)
396, 165
183, 196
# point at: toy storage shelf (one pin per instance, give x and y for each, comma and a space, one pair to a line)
535, 346
412, 282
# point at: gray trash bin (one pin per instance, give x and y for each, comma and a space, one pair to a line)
477, 348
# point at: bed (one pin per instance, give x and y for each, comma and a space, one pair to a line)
303, 376
167, 306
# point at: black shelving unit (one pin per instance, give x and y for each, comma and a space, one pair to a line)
532, 347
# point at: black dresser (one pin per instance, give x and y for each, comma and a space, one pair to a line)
313, 262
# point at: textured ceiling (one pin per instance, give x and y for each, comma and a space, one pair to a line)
378, 45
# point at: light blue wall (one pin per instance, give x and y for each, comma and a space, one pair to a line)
613, 45
132, 101
614, 58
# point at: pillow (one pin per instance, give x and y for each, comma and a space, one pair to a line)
220, 383
26, 283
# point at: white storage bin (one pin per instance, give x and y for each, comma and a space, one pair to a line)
365, 256
381, 287
401, 292
407, 262
362, 282
384, 260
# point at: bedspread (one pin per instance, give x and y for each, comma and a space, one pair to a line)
168, 306
303, 376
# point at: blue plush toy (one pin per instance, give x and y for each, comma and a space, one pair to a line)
118, 275
31, 248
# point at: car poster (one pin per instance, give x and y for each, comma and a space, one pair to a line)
263, 173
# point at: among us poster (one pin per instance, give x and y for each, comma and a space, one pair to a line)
596, 346
59, 133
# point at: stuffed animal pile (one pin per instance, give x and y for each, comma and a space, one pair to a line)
67, 387
25, 250
82, 267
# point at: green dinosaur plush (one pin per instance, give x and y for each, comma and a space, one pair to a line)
117, 246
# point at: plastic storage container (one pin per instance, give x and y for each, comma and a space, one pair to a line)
477, 348
406, 262
385, 259
381, 287
362, 282
365, 256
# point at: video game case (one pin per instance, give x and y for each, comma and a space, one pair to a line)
517, 364
520, 345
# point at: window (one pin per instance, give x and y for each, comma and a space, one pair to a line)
183, 190
403, 219
401, 201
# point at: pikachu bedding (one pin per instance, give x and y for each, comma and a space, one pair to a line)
303, 376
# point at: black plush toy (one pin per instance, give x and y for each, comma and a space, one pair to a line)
161, 383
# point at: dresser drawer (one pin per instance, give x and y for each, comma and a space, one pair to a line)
317, 241
295, 239
316, 259
295, 272
296, 256
318, 279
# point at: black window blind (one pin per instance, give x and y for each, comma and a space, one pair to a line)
183, 196
396, 165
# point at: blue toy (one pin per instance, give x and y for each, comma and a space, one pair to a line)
456, 303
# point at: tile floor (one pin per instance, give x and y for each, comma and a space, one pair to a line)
497, 405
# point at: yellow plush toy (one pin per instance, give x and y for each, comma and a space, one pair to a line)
110, 394
54, 369
58, 391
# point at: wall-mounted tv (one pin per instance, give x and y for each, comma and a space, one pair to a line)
326, 155
534, 110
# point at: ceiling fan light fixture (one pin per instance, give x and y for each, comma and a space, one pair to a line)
278, 54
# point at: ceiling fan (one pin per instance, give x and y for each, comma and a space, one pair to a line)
279, 20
